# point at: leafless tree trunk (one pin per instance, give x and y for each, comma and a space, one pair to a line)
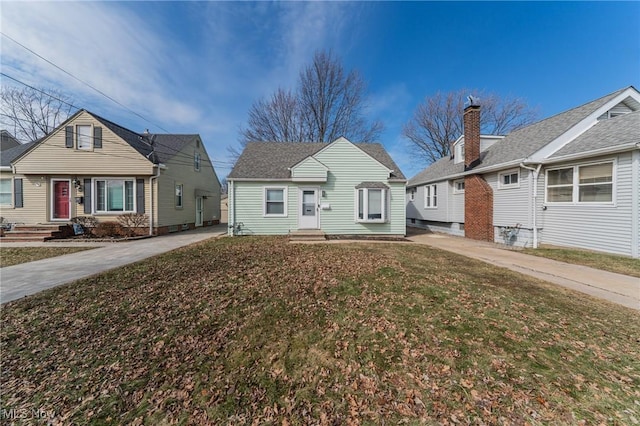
437, 122
326, 105
30, 114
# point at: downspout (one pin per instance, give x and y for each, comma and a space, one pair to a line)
151, 179
231, 207
536, 173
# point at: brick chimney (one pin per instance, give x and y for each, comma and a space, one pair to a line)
471, 136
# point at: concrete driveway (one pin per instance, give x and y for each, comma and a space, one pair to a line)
29, 278
617, 288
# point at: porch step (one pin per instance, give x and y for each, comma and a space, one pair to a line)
307, 235
39, 232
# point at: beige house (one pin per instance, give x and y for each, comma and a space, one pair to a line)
90, 166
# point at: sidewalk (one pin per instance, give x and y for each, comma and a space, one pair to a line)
617, 288
29, 278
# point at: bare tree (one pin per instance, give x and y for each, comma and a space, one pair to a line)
438, 121
30, 113
326, 104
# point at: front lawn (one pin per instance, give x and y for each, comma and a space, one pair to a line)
606, 262
15, 255
256, 330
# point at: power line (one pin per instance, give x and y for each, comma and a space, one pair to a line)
85, 83
176, 151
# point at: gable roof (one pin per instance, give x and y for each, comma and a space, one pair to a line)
618, 131
12, 154
519, 144
272, 160
7, 140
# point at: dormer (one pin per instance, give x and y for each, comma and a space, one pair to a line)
457, 149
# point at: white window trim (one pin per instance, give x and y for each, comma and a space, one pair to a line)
502, 185
175, 196
576, 184
455, 186
77, 136
11, 191
94, 196
365, 212
431, 196
197, 161
285, 198
458, 153
412, 194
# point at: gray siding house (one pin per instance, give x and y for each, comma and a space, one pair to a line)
337, 188
569, 180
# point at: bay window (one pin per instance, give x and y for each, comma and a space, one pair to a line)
371, 204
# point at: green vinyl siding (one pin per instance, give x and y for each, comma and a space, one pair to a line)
309, 168
348, 167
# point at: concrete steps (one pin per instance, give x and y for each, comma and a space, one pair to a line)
307, 235
39, 232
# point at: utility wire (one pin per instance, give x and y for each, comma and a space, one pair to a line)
85, 83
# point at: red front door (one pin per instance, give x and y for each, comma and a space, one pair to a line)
61, 199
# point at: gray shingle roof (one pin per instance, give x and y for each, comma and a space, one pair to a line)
168, 145
136, 140
519, 144
617, 131
9, 155
272, 160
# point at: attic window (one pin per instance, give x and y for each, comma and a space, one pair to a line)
458, 156
196, 161
83, 137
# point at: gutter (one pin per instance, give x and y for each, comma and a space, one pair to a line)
535, 172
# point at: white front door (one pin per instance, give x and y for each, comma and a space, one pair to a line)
198, 211
308, 217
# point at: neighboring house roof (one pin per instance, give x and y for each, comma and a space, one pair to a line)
272, 160
618, 131
7, 140
520, 144
12, 154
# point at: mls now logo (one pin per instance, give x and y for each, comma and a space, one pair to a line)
23, 413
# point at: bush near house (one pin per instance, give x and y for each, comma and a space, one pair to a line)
258, 331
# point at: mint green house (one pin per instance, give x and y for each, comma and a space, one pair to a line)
337, 188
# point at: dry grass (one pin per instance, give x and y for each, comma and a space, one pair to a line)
606, 262
255, 330
15, 255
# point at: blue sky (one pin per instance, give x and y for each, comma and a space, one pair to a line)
196, 67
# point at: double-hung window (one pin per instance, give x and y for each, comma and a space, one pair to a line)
83, 137
430, 197
591, 183
458, 186
196, 161
275, 202
5, 192
114, 195
371, 204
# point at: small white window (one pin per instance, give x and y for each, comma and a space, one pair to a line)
275, 202
83, 136
371, 205
509, 179
412, 194
430, 197
458, 186
5, 192
196, 161
458, 155
179, 190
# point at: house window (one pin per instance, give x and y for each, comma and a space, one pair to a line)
412, 194
371, 204
458, 155
179, 189
509, 179
196, 161
83, 137
458, 186
275, 202
5, 192
114, 195
430, 196
592, 183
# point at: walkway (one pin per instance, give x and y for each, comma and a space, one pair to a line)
29, 278
617, 288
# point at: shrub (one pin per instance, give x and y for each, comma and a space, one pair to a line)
88, 223
133, 223
109, 229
